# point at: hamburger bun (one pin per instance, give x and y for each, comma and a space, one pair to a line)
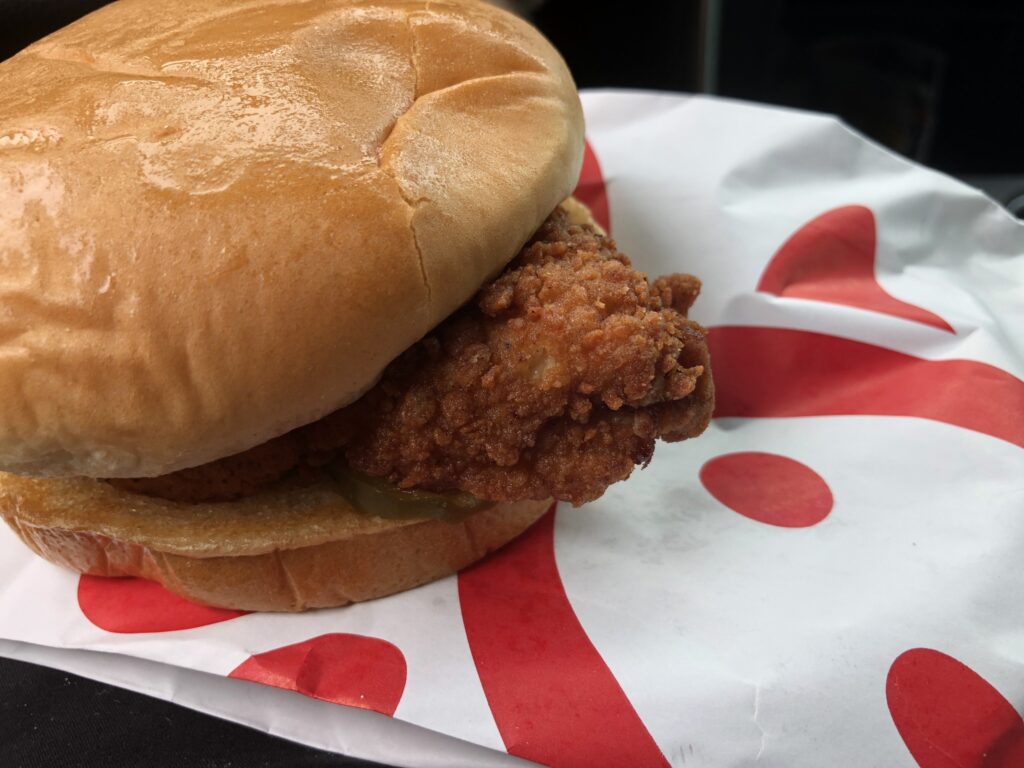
221, 220
290, 548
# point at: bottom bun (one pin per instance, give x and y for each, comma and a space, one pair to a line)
287, 549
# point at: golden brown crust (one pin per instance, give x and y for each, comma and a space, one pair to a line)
556, 380
287, 550
209, 210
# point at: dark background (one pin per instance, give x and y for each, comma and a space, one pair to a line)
939, 81
50, 719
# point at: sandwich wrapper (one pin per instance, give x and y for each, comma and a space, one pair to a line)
829, 576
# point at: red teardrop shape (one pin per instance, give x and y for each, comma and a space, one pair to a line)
132, 606
353, 670
768, 488
951, 717
832, 258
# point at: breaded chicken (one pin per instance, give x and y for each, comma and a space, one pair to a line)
554, 381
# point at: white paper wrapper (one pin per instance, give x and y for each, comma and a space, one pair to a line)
830, 576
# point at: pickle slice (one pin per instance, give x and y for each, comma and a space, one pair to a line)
376, 496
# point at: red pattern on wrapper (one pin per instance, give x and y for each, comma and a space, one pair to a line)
832, 259
775, 372
591, 191
951, 717
133, 606
353, 670
768, 488
553, 697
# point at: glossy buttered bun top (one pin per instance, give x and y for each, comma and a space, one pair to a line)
220, 220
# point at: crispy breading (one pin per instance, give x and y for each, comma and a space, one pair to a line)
556, 380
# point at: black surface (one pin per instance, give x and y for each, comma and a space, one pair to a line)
25, 21
652, 44
50, 719
936, 81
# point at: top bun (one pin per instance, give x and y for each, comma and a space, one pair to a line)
220, 220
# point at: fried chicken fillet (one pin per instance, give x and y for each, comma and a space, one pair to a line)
554, 381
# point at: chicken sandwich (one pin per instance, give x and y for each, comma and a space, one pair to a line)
294, 309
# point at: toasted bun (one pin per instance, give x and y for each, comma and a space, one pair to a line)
288, 549
220, 220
